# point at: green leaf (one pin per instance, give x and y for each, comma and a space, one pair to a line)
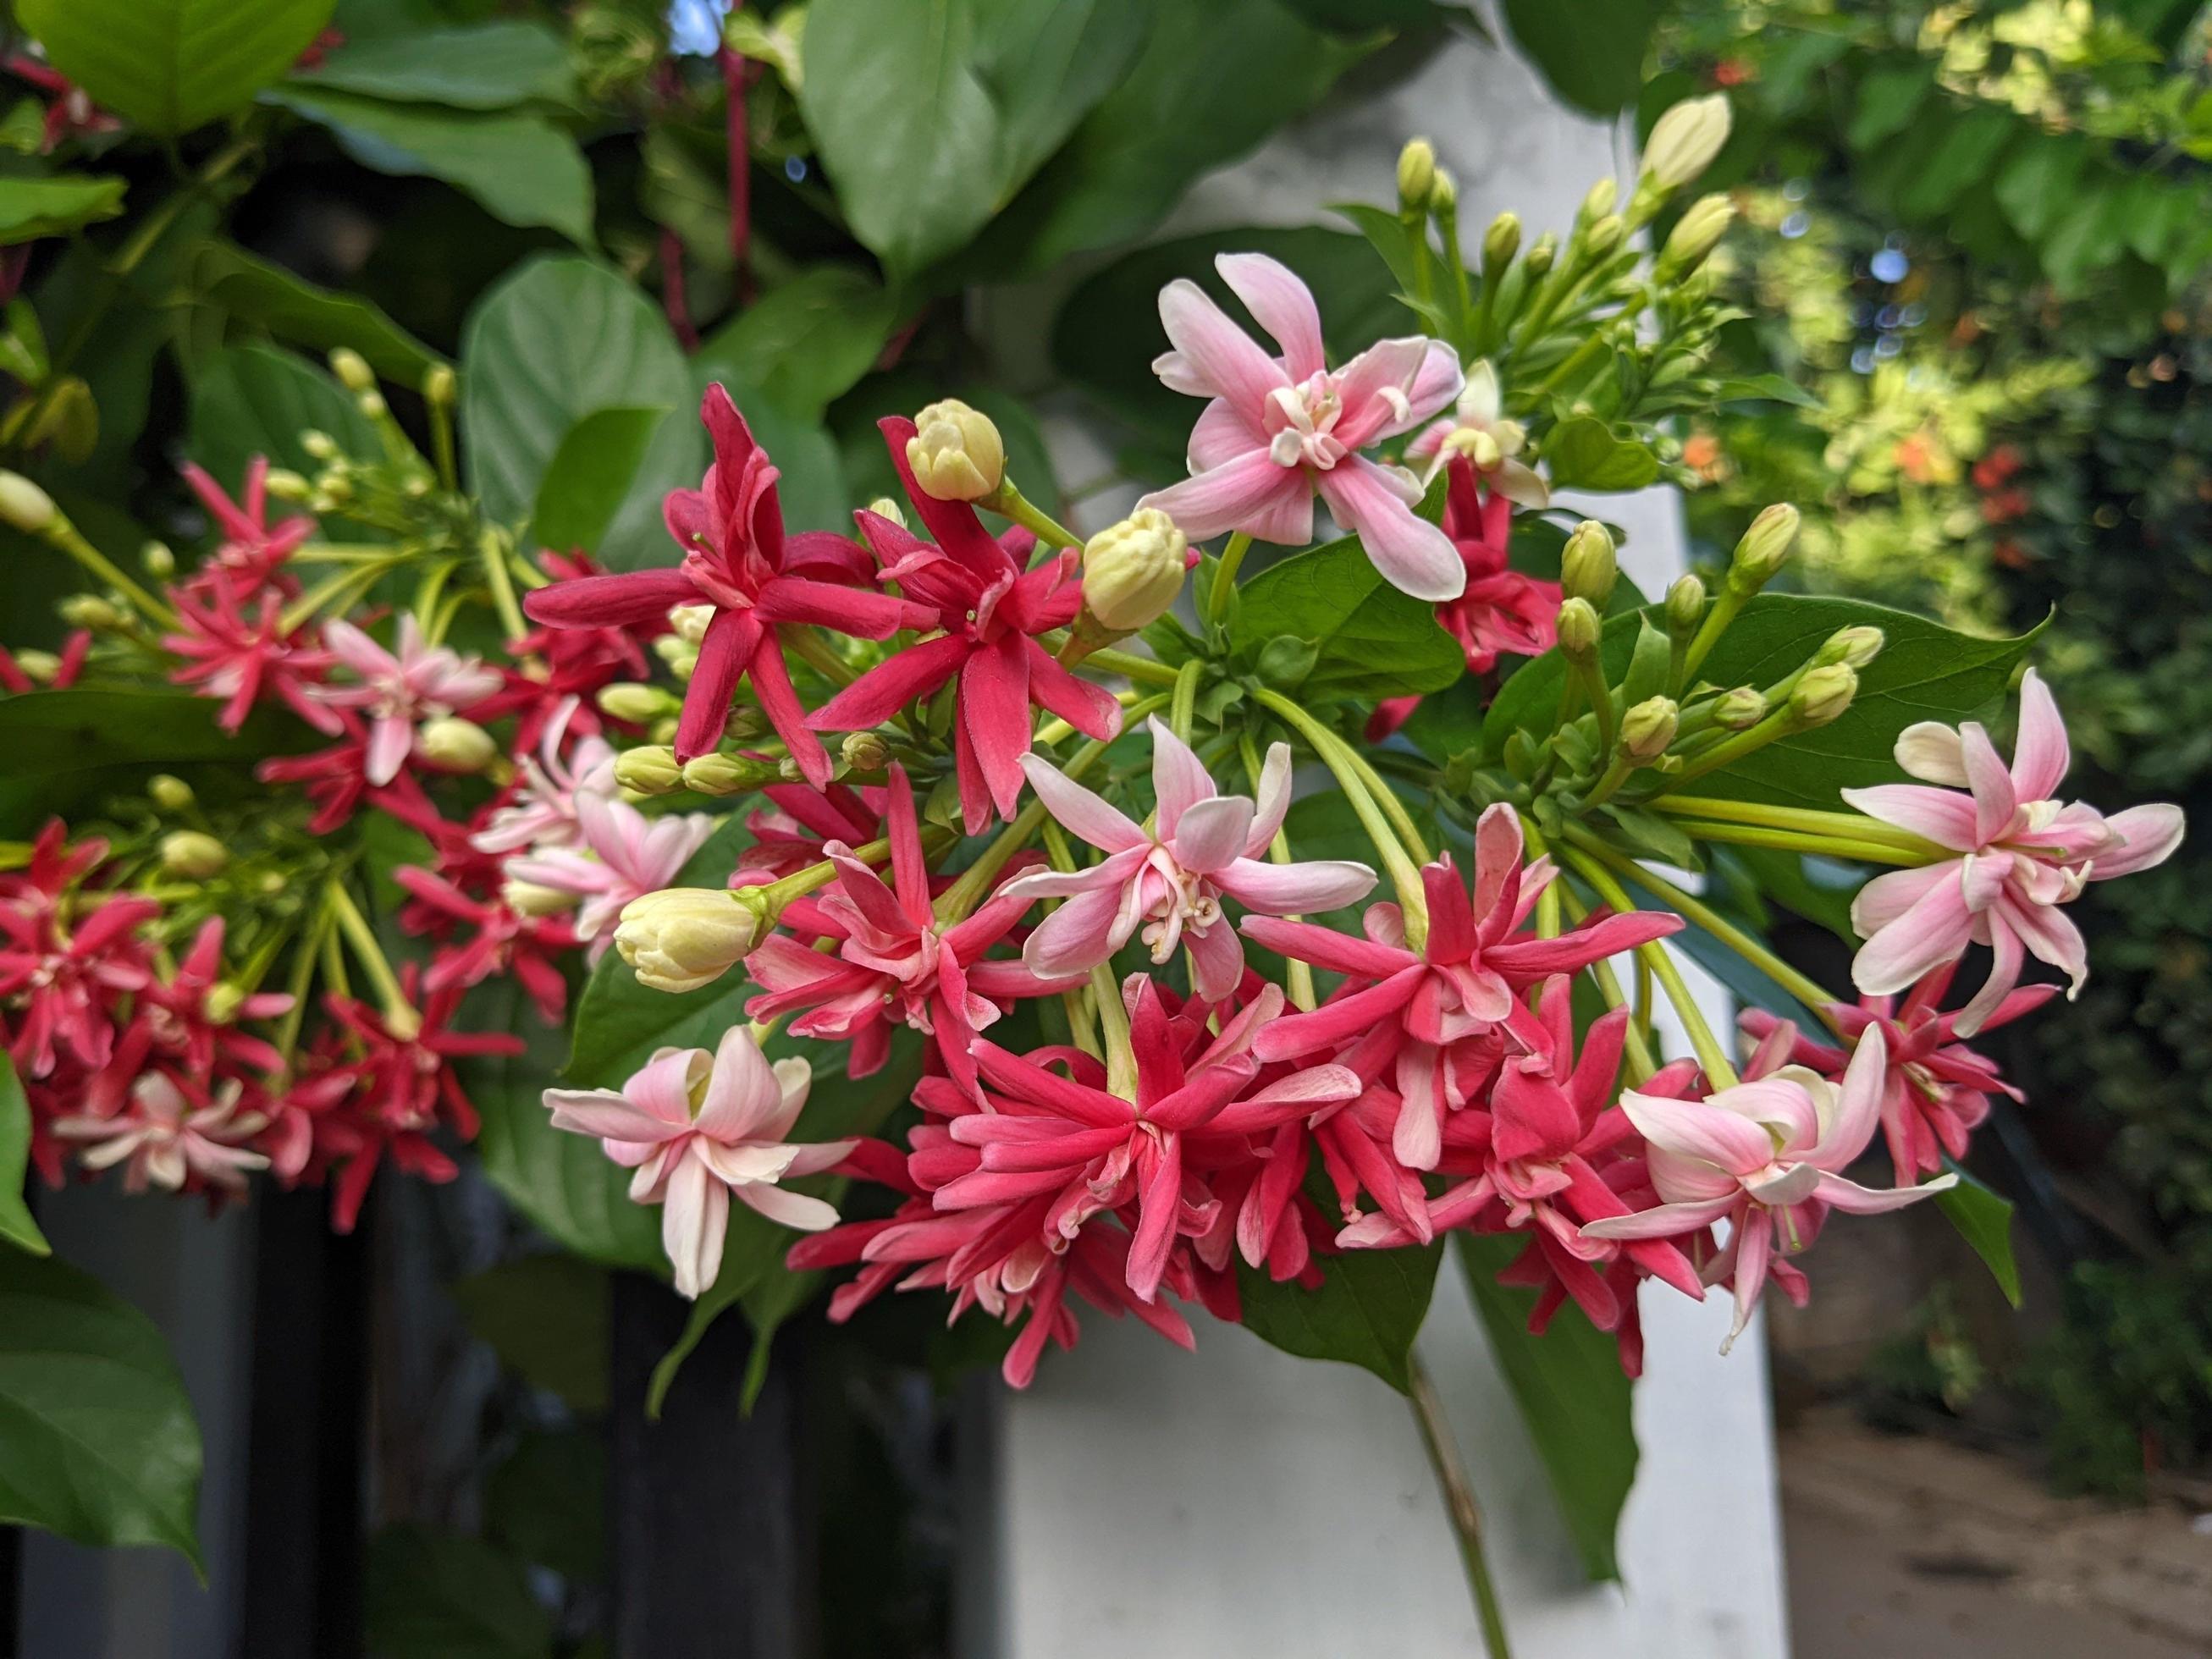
1584, 453
97, 1440
432, 1593
1371, 641
546, 1316
31, 209
170, 65
1766, 388
1984, 1221
520, 167
494, 65
1386, 234
591, 475
16, 1226
807, 342
253, 290
930, 114
1573, 1397
1366, 1311
1592, 51
561, 338
255, 400
546, 1502
1887, 97
51, 734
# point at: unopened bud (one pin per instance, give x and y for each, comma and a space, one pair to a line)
453, 744
1605, 236
319, 446
1684, 140
40, 667
193, 854
689, 621
1444, 195
725, 774
632, 703
653, 770
90, 611
528, 898
1578, 629
1132, 570
1597, 202
1740, 709
682, 938
1417, 175
1648, 728
371, 404
1686, 607
1855, 647
680, 655
24, 506
1822, 693
1587, 568
865, 751
158, 560
1696, 233
440, 385
171, 794
1763, 549
955, 454
1541, 253
885, 508
287, 485
1500, 243
223, 1002
353, 370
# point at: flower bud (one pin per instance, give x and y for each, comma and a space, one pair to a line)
885, 508
353, 370
1417, 175
1500, 243
171, 794
648, 771
1822, 693
160, 563
1686, 607
1855, 647
1684, 140
1444, 195
1605, 236
955, 454
1132, 570
223, 1002
40, 667
1763, 549
453, 744
1545, 250
319, 446
193, 854
287, 485
1598, 201
1578, 629
689, 621
372, 405
1647, 729
1696, 233
440, 385
632, 703
24, 506
864, 751
1587, 568
680, 654
682, 938
726, 775
527, 898
90, 611
1740, 709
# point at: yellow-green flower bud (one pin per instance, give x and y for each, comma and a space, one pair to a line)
1578, 629
1500, 243
171, 794
955, 454
223, 1002
1696, 233
725, 775
682, 937
680, 654
40, 667
160, 563
1417, 175
353, 370
1647, 729
1740, 709
633, 703
1823, 693
1541, 254
690, 621
371, 404
864, 751
1855, 647
440, 385
319, 446
1763, 549
527, 898
453, 744
1684, 140
885, 508
1444, 195
652, 771
1587, 568
287, 485
193, 854
24, 506
1598, 201
1686, 607
1605, 236
90, 611
1132, 570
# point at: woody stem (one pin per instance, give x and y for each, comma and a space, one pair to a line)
1438, 1440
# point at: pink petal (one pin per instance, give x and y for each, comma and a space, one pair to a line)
1219, 435
1210, 834
1250, 493
1270, 799
1889, 895
810, 1215
743, 1094
913, 671
1855, 1199
1281, 304
2150, 835
617, 601
1374, 388
1698, 1130
1660, 1220
1325, 948
1217, 962
1284, 890
1077, 936
1414, 556
1080, 812
2039, 754
1934, 931
1994, 799
724, 655
1943, 816
1180, 779
694, 1219
995, 713
1216, 353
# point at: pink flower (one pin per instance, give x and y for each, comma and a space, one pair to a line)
738, 560
1431, 1013
991, 608
698, 1127
504, 941
1171, 880
1478, 432
623, 856
1767, 1156
1276, 429
163, 1138
57, 981
244, 658
420, 682
2023, 854
542, 812
251, 551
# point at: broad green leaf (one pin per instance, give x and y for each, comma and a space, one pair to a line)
31, 209
1373, 642
255, 400
546, 1316
591, 475
1983, 1220
494, 65
810, 340
1573, 1397
1583, 454
930, 114
16, 1226
520, 167
561, 338
50, 735
1365, 17
546, 1502
251, 288
97, 1440
1592, 51
1765, 388
170, 65
434, 1593
1366, 1311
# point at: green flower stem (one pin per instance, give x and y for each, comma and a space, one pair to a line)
338, 593
60, 533
1184, 708
399, 1015
1576, 363
1008, 500
1783, 722
1145, 671
1784, 841
1591, 673
1850, 826
1298, 975
1720, 1072
304, 956
1815, 997
1725, 606
492, 547
1077, 1003
1617, 772
1387, 799
1466, 1516
1113, 1032
1335, 755
811, 648
1638, 1041
1224, 576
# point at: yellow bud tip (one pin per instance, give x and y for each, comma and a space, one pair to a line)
955, 454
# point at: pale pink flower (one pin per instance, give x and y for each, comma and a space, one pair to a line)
696, 1128
1276, 429
161, 1138
1169, 880
542, 811
1477, 428
622, 856
1767, 1156
418, 683
2023, 854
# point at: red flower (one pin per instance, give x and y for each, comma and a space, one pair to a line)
246, 657
251, 551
